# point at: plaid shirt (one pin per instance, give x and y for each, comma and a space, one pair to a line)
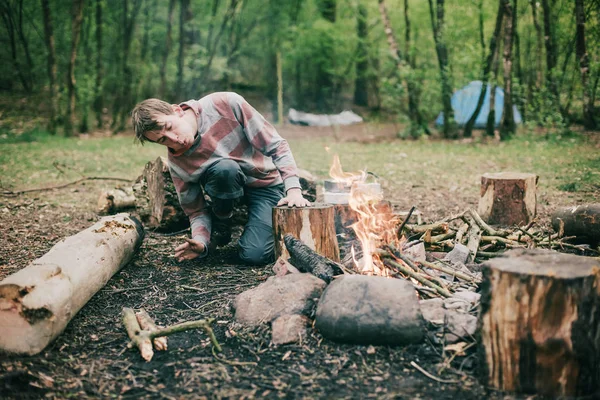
229, 128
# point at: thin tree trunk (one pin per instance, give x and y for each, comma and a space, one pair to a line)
184, 16
361, 95
71, 83
413, 89
507, 122
551, 57
584, 66
489, 62
437, 23
25, 44
324, 92
7, 16
165, 56
540, 45
99, 100
49, 39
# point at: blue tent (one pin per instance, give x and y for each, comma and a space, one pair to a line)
464, 102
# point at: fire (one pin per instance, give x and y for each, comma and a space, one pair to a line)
375, 225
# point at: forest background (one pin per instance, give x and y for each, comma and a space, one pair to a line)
81, 65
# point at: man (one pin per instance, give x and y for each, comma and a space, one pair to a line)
221, 145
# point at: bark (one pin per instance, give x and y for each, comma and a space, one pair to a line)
307, 260
551, 57
99, 98
507, 122
584, 66
37, 303
540, 324
76, 22
508, 198
49, 39
489, 62
165, 56
437, 23
582, 221
540, 45
361, 94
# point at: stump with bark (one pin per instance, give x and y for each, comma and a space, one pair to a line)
508, 198
540, 319
313, 225
582, 221
37, 302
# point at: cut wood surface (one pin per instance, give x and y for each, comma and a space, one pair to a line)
540, 318
37, 302
582, 221
115, 200
508, 198
313, 225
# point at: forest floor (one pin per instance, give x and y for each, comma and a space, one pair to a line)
91, 359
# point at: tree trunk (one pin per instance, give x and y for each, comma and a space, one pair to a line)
75, 36
279, 89
115, 200
185, 14
551, 57
540, 45
437, 24
507, 122
540, 319
37, 303
489, 62
313, 225
582, 221
508, 198
324, 78
165, 56
361, 94
49, 39
584, 66
308, 260
99, 98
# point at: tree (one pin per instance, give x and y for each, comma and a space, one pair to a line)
361, 94
49, 39
98, 95
324, 92
584, 66
77, 19
507, 122
551, 56
12, 17
165, 56
185, 14
437, 24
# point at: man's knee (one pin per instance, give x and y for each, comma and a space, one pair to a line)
256, 255
225, 169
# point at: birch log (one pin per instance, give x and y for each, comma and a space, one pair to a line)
37, 302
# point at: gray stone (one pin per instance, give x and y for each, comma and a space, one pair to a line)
279, 295
458, 255
370, 310
433, 310
456, 324
282, 267
289, 328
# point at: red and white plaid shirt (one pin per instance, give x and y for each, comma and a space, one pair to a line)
229, 128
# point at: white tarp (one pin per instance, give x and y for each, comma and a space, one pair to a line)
343, 118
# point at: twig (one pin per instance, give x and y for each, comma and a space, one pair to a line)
508, 242
430, 376
235, 363
436, 226
184, 326
87, 178
450, 271
491, 231
419, 278
412, 209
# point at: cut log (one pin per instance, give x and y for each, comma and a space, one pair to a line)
540, 318
115, 200
508, 198
582, 221
157, 201
37, 302
307, 260
313, 225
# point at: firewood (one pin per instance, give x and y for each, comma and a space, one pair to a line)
37, 302
539, 321
582, 221
307, 260
113, 201
508, 198
313, 225
134, 331
147, 323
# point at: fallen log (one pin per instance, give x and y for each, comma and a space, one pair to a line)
115, 200
37, 302
508, 198
540, 313
307, 260
314, 225
582, 221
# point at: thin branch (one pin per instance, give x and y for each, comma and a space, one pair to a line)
86, 178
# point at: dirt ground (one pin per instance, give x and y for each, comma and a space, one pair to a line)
91, 358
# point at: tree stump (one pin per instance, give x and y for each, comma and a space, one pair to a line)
582, 221
540, 319
37, 302
313, 225
156, 198
508, 198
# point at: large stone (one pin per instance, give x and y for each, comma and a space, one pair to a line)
289, 328
279, 295
457, 324
370, 310
458, 255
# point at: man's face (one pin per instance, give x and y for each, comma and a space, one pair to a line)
177, 133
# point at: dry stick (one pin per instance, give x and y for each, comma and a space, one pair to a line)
450, 271
147, 323
485, 226
441, 238
460, 233
87, 178
430, 376
184, 326
474, 236
235, 363
136, 334
419, 278
412, 209
436, 226
503, 240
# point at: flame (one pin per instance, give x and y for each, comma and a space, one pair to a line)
338, 175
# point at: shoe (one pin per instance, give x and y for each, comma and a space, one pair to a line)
220, 232
223, 209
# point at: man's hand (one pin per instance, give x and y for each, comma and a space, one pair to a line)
189, 250
294, 198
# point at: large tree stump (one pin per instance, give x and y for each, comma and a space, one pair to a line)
540, 318
508, 198
37, 302
582, 221
313, 225
156, 198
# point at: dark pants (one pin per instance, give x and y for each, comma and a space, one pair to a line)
224, 180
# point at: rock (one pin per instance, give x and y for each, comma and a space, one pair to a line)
289, 328
370, 310
463, 300
283, 267
458, 255
467, 295
416, 252
433, 310
279, 295
456, 323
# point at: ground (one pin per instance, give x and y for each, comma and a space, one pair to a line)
91, 358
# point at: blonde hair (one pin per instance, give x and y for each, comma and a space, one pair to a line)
144, 116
